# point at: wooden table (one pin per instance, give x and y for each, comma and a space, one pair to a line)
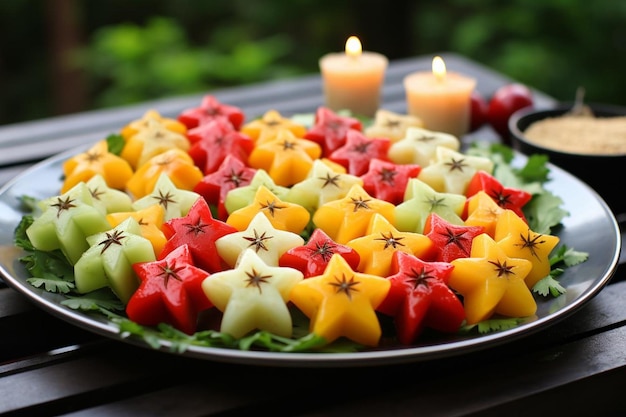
49, 367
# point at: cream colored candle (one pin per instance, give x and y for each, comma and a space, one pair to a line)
441, 99
353, 80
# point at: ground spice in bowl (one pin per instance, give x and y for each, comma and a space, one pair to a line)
584, 134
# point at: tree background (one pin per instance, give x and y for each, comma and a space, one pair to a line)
65, 56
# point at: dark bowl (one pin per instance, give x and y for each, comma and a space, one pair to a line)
602, 172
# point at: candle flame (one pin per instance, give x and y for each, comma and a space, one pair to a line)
439, 68
353, 47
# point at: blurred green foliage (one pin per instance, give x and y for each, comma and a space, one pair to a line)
147, 49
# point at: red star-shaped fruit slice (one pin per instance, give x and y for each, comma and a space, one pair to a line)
330, 129
419, 297
210, 109
358, 150
313, 258
170, 291
216, 139
387, 181
451, 241
214, 187
199, 230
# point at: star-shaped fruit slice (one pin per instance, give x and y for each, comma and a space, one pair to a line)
342, 303
387, 181
483, 211
142, 123
176, 163
243, 196
155, 139
358, 150
419, 146
97, 160
176, 202
322, 185
253, 296
506, 197
200, 231
150, 220
267, 241
451, 241
452, 171
420, 200
312, 258
213, 141
170, 291
214, 187
108, 261
348, 218
491, 282
330, 129
388, 124
419, 298
382, 240
282, 214
271, 124
286, 158
66, 221
112, 199
210, 109
513, 235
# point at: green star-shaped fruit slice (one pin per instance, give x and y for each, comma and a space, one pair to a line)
109, 259
241, 197
253, 296
268, 242
452, 171
321, 186
112, 199
419, 146
176, 202
66, 221
420, 200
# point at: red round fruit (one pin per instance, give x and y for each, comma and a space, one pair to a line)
478, 111
506, 101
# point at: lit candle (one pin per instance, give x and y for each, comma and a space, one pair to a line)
441, 99
353, 80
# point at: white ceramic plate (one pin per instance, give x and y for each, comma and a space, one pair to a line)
591, 227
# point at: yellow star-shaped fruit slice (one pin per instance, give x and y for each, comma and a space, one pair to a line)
153, 140
482, 210
491, 282
253, 296
322, 185
342, 303
452, 171
269, 125
420, 200
349, 217
286, 158
268, 242
97, 160
513, 235
176, 202
382, 240
282, 214
419, 146
142, 123
150, 220
388, 124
